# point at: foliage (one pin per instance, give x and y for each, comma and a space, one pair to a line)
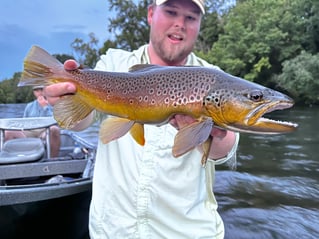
11, 93
130, 26
259, 35
86, 52
107, 44
210, 30
300, 77
63, 57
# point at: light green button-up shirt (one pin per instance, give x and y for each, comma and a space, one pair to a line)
143, 191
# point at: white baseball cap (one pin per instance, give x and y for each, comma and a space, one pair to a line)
199, 3
37, 87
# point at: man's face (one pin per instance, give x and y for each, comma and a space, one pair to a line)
38, 92
174, 29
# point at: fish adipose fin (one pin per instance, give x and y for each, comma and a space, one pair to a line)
70, 110
113, 128
191, 136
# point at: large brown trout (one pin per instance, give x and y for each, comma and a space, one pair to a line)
151, 94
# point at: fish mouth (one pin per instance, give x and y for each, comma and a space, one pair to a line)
254, 122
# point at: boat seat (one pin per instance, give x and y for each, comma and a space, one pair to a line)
22, 150
18, 148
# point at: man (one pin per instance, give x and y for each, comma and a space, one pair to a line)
38, 108
144, 192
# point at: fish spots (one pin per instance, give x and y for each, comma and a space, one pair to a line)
213, 97
151, 91
165, 87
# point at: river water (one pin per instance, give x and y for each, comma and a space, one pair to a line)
274, 192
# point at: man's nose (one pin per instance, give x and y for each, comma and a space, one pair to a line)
180, 22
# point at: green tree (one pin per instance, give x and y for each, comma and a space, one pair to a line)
300, 77
210, 30
107, 44
86, 53
63, 57
130, 26
11, 93
259, 35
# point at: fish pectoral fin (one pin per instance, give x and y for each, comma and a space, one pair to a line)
113, 128
191, 136
137, 132
70, 110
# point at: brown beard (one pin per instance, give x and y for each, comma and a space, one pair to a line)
173, 56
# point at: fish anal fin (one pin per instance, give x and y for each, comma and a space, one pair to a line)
137, 132
70, 110
191, 136
113, 128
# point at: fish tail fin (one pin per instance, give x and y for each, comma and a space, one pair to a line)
41, 68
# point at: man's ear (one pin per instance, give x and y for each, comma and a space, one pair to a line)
150, 11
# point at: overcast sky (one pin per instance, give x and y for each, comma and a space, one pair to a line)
51, 24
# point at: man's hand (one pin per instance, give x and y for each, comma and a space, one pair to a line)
55, 91
42, 101
71, 65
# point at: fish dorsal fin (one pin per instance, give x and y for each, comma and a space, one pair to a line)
70, 110
137, 132
191, 136
113, 128
143, 67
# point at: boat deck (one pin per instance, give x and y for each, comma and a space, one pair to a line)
46, 178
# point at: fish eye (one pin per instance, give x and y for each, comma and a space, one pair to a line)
256, 95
